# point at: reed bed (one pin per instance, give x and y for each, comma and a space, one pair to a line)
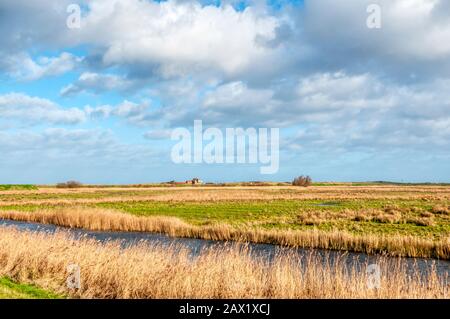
110, 220
144, 271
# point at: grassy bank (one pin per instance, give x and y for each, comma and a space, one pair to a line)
109, 271
13, 290
101, 219
413, 218
424, 219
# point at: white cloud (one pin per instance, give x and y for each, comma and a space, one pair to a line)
319, 96
63, 146
179, 36
183, 38
34, 24
172, 38
88, 155
335, 110
328, 92
140, 114
22, 67
413, 36
158, 134
235, 95
98, 83
316, 69
35, 110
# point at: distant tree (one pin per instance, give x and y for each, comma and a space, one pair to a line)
304, 181
69, 184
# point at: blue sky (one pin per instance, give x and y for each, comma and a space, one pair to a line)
98, 103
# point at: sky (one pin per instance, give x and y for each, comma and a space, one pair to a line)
98, 103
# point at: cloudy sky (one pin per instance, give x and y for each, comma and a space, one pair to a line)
98, 103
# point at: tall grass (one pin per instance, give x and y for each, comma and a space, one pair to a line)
109, 220
109, 271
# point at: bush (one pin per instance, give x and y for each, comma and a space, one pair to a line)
441, 210
69, 184
304, 181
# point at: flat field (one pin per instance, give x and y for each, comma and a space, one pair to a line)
393, 220
371, 218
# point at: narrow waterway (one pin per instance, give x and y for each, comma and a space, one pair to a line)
264, 251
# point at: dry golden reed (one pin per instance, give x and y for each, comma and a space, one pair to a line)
110, 220
143, 271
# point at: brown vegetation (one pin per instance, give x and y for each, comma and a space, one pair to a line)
109, 271
69, 184
304, 181
101, 219
441, 210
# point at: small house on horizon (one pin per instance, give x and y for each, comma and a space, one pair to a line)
195, 181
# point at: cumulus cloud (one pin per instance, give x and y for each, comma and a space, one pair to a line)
69, 143
61, 143
26, 23
335, 111
35, 110
412, 41
23, 67
313, 69
55, 139
32, 110
57, 154
180, 37
97, 83
316, 97
140, 114
355, 74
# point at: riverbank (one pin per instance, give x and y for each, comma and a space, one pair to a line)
109, 220
151, 271
13, 290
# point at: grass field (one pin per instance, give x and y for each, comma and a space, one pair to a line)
415, 212
7, 187
12, 290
